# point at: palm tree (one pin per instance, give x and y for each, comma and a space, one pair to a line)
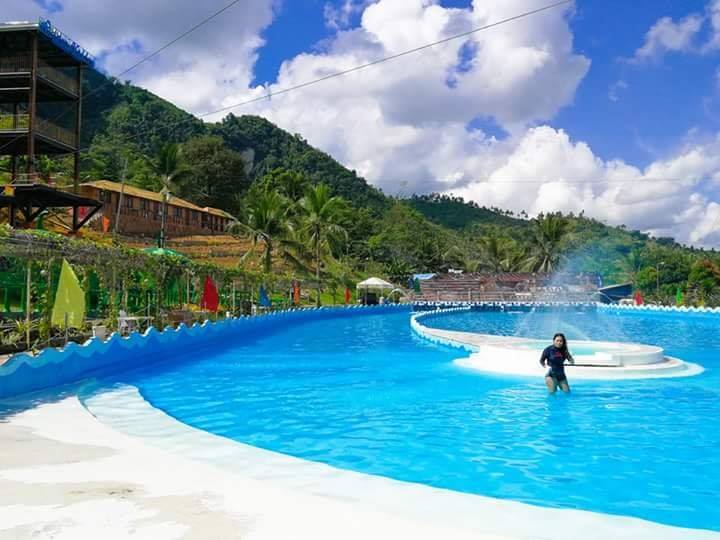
631, 265
493, 249
463, 258
320, 215
170, 169
265, 220
546, 242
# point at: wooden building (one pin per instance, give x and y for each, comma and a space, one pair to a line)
141, 212
40, 94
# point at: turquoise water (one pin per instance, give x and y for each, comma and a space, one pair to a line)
364, 393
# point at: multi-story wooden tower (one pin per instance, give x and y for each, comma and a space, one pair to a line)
40, 94
40, 110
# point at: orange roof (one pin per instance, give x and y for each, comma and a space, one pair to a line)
218, 212
107, 185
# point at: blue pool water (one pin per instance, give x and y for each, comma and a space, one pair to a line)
364, 393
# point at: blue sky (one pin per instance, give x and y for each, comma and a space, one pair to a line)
609, 107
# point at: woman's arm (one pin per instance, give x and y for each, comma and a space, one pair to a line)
570, 358
543, 357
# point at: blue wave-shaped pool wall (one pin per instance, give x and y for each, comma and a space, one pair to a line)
24, 373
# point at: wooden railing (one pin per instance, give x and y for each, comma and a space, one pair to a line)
15, 64
55, 132
14, 122
57, 77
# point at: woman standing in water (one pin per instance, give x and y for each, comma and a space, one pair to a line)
554, 357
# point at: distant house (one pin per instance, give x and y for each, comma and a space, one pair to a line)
141, 209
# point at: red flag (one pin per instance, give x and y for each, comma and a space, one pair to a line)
348, 295
296, 293
638, 298
209, 300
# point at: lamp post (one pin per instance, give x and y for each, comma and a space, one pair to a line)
163, 217
657, 278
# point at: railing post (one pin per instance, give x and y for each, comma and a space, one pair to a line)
32, 109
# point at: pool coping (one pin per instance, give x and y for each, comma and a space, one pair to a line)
125, 410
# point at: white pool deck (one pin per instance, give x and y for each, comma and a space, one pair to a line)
130, 471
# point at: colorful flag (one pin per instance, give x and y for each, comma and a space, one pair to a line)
348, 295
209, 300
263, 299
69, 300
638, 298
679, 297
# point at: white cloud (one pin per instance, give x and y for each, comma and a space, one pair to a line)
615, 89
668, 35
546, 171
338, 17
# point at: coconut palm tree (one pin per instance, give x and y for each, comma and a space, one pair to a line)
170, 169
265, 220
631, 265
546, 241
493, 249
320, 217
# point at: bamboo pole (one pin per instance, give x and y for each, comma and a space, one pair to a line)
28, 295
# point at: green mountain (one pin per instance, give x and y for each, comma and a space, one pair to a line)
387, 236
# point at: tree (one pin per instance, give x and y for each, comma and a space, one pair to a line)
218, 173
264, 220
631, 265
320, 216
170, 169
548, 234
290, 184
704, 279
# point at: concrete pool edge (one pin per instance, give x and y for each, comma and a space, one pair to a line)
123, 409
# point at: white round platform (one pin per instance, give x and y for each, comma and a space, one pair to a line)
593, 359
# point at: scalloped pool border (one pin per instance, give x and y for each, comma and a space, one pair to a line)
659, 309
24, 373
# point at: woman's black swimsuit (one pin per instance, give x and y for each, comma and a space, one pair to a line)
555, 358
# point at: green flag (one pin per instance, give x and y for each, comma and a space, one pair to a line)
69, 299
679, 297
416, 285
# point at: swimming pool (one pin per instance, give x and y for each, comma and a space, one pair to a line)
366, 394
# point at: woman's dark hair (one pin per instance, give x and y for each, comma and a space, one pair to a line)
564, 348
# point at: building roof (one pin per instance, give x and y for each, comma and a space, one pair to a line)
54, 35
133, 191
218, 212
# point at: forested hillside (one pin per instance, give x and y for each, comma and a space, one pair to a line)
231, 163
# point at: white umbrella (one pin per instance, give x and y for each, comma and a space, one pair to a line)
375, 283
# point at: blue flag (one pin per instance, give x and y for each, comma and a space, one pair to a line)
263, 297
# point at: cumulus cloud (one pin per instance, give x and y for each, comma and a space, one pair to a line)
546, 171
667, 35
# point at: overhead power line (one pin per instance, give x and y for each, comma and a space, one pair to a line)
353, 69
139, 62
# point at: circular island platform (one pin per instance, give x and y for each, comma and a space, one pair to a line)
518, 356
